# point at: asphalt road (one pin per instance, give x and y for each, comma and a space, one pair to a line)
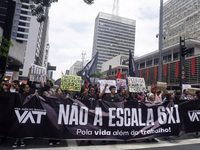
185, 142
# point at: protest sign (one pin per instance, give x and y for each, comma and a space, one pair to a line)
185, 86
109, 82
70, 83
162, 86
136, 84
38, 73
8, 75
192, 91
121, 83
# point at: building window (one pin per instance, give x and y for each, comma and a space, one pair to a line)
25, 6
167, 58
190, 52
20, 72
142, 65
24, 12
176, 56
156, 61
149, 63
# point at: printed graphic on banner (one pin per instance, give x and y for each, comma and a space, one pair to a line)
70, 83
109, 82
136, 84
72, 119
121, 83
38, 73
162, 86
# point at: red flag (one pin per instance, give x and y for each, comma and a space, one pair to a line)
62, 73
147, 73
193, 66
153, 86
156, 70
119, 75
140, 73
177, 68
165, 70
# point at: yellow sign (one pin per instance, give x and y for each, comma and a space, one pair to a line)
70, 83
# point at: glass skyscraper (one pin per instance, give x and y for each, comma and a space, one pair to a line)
113, 35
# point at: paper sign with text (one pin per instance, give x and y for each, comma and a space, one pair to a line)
38, 73
109, 82
136, 84
70, 83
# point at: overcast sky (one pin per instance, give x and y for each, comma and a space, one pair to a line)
72, 26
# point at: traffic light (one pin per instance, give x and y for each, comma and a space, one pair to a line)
182, 47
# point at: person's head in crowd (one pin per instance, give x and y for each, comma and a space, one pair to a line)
59, 92
14, 84
152, 98
112, 89
153, 90
45, 93
3, 85
198, 94
185, 92
121, 90
91, 90
49, 83
133, 95
25, 88
169, 96
36, 85
158, 92
178, 95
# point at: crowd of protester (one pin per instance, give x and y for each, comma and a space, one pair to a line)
91, 93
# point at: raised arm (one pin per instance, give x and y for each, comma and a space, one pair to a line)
104, 90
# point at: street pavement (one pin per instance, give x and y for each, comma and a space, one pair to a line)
185, 142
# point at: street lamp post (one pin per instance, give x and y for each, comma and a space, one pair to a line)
160, 42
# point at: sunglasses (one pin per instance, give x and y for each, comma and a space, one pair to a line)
91, 90
4, 84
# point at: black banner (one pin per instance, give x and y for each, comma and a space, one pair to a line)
53, 117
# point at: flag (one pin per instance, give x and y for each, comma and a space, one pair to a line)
119, 75
132, 68
89, 69
62, 73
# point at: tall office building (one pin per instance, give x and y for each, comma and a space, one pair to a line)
113, 35
181, 18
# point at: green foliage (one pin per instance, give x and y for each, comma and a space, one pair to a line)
98, 74
52, 80
4, 47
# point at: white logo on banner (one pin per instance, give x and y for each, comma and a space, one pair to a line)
194, 115
28, 115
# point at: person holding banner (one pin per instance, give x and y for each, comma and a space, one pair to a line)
185, 95
112, 96
121, 95
92, 97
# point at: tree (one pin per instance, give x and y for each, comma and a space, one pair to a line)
98, 74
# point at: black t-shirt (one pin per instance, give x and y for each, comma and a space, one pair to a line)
130, 99
111, 99
91, 98
121, 97
91, 101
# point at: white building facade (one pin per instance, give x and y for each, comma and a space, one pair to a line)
113, 35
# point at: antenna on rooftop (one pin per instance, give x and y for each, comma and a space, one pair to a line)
115, 10
83, 57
